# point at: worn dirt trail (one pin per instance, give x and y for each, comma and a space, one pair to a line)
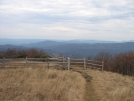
90, 93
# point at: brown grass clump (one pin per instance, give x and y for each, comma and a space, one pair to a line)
112, 86
40, 84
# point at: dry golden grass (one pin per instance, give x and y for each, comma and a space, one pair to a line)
112, 86
40, 84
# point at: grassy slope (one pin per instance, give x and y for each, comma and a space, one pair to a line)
39, 84
112, 86
107, 86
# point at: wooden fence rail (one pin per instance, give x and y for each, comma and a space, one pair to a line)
65, 62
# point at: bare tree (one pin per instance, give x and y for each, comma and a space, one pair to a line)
124, 63
107, 58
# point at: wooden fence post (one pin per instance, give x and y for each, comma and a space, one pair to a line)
84, 64
26, 62
68, 63
48, 62
63, 62
102, 65
4, 64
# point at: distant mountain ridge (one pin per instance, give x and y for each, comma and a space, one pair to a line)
43, 44
4, 41
8, 46
77, 50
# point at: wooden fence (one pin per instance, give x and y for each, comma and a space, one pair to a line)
65, 62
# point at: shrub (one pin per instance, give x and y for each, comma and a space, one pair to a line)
107, 58
124, 63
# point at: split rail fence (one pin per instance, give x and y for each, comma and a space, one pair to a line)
65, 62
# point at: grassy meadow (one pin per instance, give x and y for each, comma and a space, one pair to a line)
110, 86
40, 84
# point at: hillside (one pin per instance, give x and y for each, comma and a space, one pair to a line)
9, 46
40, 84
107, 86
4, 41
77, 50
82, 50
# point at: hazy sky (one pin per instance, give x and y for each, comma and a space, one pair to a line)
67, 19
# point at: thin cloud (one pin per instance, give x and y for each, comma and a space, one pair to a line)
67, 19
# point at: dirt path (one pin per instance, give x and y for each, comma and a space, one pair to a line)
90, 93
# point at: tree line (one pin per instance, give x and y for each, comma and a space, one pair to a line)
30, 53
122, 63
